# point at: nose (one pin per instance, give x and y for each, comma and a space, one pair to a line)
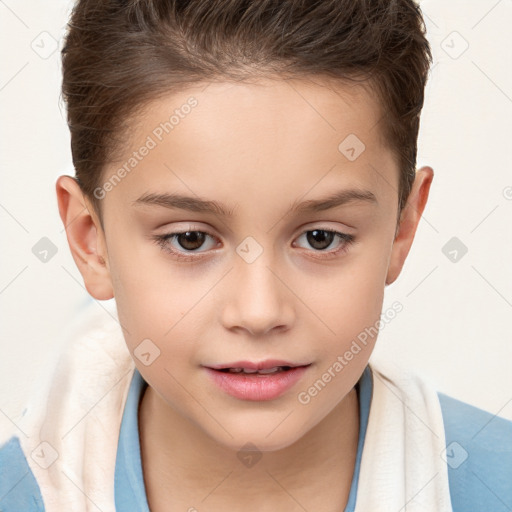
257, 299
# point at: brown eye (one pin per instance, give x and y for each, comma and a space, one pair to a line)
324, 243
186, 245
191, 240
320, 238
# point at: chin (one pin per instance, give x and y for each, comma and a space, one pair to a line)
259, 438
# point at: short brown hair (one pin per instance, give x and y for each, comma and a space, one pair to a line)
119, 55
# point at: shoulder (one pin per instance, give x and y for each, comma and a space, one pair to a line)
479, 457
18, 488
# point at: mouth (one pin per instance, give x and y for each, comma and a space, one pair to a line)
247, 380
266, 367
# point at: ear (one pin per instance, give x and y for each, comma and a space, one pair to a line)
85, 238
409, 220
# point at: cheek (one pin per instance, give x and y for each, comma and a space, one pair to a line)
350, 308
168, 306
151, 299
349, 300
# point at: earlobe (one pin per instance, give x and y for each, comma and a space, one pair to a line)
409, 221
85, 238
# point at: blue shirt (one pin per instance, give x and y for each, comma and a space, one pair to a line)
478, 454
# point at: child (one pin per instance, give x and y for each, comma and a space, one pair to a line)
214, 141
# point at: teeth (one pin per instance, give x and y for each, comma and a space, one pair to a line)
271, 370
252, 371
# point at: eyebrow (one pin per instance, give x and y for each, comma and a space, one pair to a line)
197, 204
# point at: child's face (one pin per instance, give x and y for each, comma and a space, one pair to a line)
261, 284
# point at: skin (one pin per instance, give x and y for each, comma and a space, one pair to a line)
256, 148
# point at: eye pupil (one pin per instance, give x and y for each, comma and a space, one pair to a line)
320, 238
191, 240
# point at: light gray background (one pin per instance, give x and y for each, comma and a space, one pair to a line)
455, 327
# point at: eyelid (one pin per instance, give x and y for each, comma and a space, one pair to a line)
340, 227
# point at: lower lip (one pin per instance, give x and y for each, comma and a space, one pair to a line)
257, 387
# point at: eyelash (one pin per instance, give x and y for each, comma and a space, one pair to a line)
163, 242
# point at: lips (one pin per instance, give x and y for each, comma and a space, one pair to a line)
257, 381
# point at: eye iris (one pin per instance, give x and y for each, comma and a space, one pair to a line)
320, 238
191, 240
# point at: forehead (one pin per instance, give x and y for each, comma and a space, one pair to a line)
271, 137
268, 109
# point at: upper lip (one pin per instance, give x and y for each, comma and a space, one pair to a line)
261, 365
